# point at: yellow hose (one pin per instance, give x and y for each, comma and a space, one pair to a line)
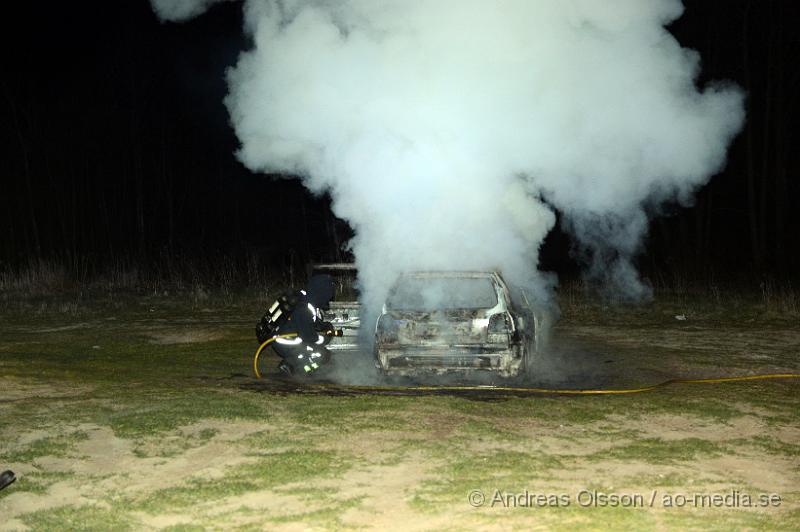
265, 344
550, 391
556, 391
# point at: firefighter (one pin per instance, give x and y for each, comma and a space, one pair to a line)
306, 352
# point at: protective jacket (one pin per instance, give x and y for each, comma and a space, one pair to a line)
307, 350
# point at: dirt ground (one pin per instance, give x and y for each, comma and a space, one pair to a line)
147, 419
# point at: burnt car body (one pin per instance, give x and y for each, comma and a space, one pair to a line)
344, 307
454, 322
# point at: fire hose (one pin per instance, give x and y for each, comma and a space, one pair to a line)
333, 332
523, 390
265, 344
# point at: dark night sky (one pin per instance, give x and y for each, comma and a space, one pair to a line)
116, 144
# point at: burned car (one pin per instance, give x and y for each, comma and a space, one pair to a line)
344, 307
454, 322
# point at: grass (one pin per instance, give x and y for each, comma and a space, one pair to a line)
698, 300
86, 517
193, 448
772, 445
659, 451
40, 482
50, 446
173, 445
296, 466
487, 469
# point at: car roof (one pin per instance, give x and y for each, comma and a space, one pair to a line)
334, 266
449, 273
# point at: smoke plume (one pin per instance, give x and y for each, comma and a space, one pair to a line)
448, 131
180, 10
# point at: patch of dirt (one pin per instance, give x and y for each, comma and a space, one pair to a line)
677, 427
59, 494
106, 464
188, 336
16, 390
383, 482
256, 505
763, 471
384, 492
72, 327
740, 466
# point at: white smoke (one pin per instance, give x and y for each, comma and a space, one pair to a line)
446, 131
180, 10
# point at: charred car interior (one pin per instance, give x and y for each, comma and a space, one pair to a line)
344, 307
454, 323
